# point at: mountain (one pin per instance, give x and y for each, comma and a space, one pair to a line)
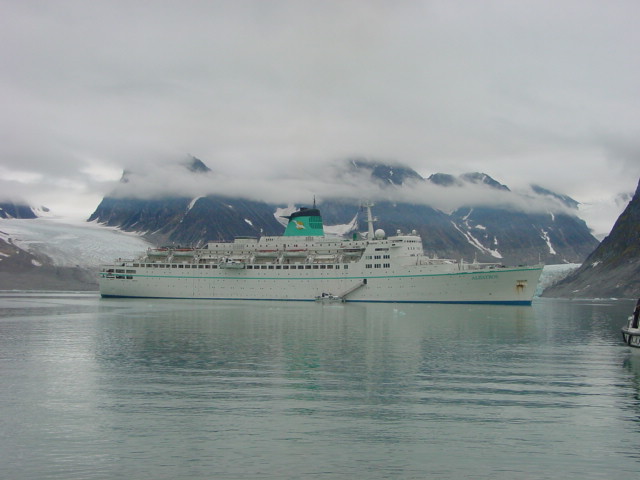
10, 209
613, 268
495, 224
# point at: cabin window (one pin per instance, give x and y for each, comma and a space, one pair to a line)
368, 265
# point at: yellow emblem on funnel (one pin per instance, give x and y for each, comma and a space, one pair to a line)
299, 225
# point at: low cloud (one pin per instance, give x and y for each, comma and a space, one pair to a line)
325, 181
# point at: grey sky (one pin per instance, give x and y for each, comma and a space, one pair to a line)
526, 91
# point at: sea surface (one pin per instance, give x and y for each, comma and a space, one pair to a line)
170, 389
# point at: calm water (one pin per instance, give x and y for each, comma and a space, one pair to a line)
141, 389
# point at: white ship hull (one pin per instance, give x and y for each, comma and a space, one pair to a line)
302, 268
497, 286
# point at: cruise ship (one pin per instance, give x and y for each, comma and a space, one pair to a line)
304, 264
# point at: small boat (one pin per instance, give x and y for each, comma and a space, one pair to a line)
230, 263
329, 298
631, 331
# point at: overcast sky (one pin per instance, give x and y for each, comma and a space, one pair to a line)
527, 91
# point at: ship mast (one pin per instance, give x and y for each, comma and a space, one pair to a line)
370, 218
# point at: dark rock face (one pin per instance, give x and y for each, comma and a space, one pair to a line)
497, 234
613, 269
16, 210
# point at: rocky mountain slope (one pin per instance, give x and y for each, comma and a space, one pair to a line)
17, 210
496, 224
613, 269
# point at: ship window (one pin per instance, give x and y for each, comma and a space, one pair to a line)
368, 265
278, 267
307, 267
315, 267
386, 265
300, 267
330, 267
323, 267
180, 266
346, 266
174, 266
377, 265
270, 267
131, 271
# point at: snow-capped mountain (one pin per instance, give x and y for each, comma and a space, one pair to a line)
485, 219
21, 210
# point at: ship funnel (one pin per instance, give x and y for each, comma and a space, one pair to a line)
306, 222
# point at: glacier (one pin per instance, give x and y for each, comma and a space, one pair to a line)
70, 244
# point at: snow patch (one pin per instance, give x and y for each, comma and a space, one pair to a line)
341, 230
477, 244
192, 203
545, 237
35, 263
248, 221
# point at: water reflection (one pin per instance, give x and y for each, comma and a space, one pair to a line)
173, 389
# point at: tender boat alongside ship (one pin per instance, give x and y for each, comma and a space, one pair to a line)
303, 263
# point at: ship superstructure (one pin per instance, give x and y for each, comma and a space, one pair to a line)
303, 264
